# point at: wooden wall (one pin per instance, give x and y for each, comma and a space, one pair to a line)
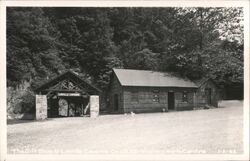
142, 99
146, 103
201, 100
184, 105
115, 88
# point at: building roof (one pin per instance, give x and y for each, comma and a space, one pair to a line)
62, 76
128, 77
199, 82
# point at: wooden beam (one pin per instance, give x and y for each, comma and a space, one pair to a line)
63, 90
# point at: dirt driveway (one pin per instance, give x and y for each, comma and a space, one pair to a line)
209, 131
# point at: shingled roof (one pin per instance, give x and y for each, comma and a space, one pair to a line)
145, 78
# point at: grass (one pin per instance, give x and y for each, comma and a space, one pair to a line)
211, 131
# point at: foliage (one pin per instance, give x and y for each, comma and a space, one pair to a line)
31, 45
20, 101
194, 42
28, 102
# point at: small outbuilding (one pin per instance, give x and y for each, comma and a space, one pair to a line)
150, 91
207, 94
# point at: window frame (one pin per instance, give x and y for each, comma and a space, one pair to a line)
184, 96
156, 95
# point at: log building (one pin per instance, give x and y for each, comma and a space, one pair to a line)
149, 91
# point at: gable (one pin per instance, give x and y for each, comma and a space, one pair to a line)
206, 82
209, 84
68, 82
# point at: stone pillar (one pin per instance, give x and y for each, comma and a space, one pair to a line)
41, 107
94, 106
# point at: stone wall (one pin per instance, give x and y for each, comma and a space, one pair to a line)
94, 106
41, 107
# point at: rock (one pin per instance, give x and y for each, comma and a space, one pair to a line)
10, 117
132, 113
206, 107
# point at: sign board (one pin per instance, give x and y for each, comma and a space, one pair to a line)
69, 94
94, 106
41, 107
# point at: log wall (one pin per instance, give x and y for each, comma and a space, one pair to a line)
115, 88
146, 100
184, 105
143, 99
201, 95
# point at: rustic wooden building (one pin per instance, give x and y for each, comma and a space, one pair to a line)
150, 91
67, 94
207, 93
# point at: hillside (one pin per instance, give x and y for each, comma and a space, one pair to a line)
194, 42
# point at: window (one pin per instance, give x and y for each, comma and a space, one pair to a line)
134, 96
156, 96
184, 97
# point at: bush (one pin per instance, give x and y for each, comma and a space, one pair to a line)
20, 102
28, 102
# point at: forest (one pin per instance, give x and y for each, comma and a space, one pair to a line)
43, 42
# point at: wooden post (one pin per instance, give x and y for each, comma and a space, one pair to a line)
41, 107
194, 100
94, 106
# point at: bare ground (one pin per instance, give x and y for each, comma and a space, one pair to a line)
211, 131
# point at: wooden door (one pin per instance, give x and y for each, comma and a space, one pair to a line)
171, 101
208, 95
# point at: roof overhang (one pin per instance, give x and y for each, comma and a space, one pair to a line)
77, 83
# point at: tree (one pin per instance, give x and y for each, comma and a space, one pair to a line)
31, 45
189, 41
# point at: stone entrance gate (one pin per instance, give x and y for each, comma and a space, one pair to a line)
67, 95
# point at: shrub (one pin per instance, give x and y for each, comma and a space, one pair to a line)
28, 102
20, 102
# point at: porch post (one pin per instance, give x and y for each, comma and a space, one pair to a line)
41, 107
94, 106
194, 100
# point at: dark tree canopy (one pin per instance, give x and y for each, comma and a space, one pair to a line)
194, 42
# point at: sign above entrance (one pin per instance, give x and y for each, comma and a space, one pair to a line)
69, 94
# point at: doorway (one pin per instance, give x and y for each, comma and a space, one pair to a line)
67, 106
208, 95
171, 101
53, 107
